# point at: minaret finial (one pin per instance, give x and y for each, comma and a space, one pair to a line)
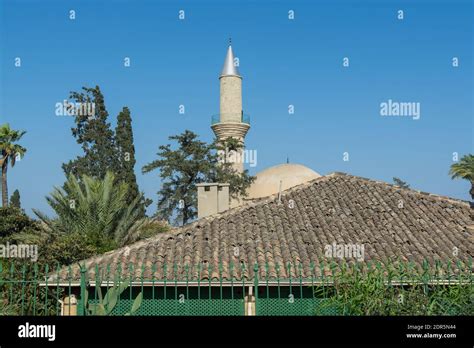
229, 67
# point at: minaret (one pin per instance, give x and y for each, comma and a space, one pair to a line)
231, 121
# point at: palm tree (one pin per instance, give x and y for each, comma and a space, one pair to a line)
464, 169
9, 152
96, 210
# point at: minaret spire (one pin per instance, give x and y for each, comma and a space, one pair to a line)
229, 68
232, 123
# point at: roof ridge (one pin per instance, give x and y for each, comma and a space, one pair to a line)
271, 198
413, 191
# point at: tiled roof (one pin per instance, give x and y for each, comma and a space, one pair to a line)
392, 223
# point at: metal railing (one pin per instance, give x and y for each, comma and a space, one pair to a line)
244, 118
33, 289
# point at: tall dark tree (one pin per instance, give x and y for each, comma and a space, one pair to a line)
15, 199
180, 170
126, 153
192, 162
94, 134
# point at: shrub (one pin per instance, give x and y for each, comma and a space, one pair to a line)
402, 290
14, 220
147, 229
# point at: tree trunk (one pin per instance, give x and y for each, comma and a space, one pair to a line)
185, 214
4, 183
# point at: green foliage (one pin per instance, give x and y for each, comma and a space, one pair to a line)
180, 171
95, 136
192, 162
17, 228
150, 228
464, 169
98, 223
106, 304
126, 153
20, 293
15, 199
67, 248
7, 308
9, 154
223, 170
94, 210
403, 290
105, 150
14, 221
401, 183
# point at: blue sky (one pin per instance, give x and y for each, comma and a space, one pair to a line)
283, 62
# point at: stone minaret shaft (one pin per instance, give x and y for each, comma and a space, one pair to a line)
231, 122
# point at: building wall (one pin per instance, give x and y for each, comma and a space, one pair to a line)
230, 99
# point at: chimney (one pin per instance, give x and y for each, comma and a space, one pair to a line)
213, 198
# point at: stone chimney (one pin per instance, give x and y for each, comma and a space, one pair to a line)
213, 198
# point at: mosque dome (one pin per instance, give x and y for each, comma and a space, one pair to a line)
267, 181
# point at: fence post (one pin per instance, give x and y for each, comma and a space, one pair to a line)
82, 304
23, 285
255, 280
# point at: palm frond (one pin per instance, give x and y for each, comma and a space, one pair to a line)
96, 209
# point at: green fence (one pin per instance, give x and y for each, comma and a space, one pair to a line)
32, 289
179, 301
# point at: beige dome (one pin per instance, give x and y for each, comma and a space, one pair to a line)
267, 182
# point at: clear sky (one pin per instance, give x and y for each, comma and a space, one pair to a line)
283, 62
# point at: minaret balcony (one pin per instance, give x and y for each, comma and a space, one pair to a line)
230, 118
235, 126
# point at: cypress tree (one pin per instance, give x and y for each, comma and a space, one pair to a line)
15, 199
126, 153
